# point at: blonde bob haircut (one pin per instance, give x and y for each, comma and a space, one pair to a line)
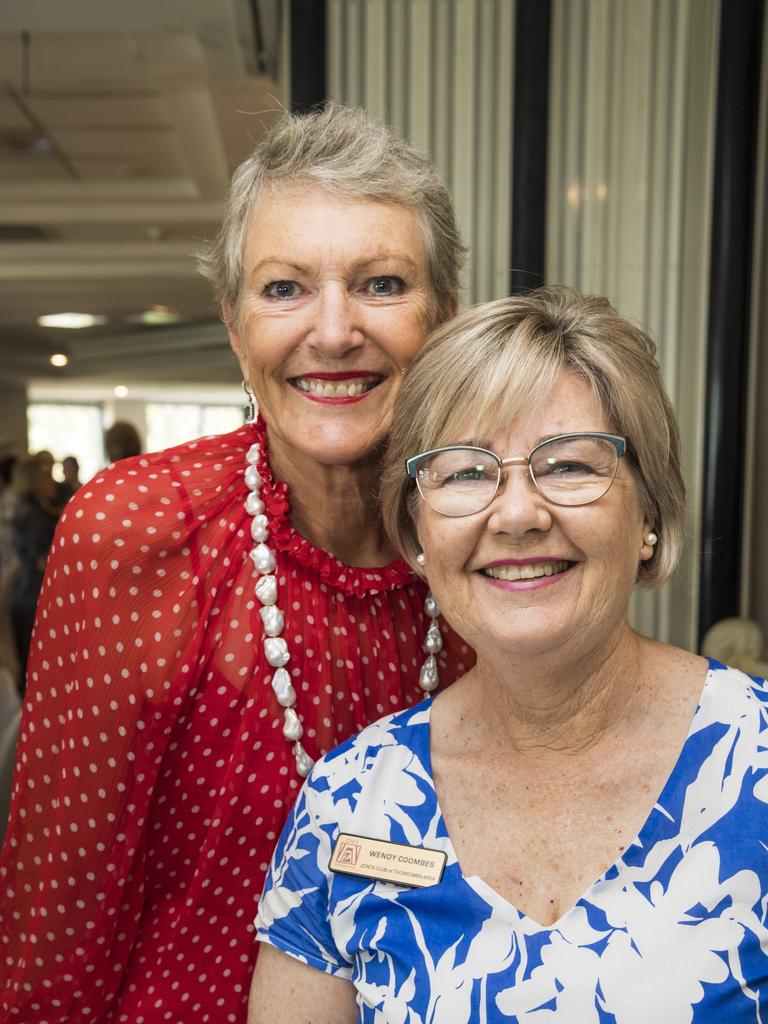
349, 154
499, 360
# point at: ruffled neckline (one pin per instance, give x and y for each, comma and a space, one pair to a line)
351, 580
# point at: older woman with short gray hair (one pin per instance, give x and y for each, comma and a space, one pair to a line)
217, 616
574, 831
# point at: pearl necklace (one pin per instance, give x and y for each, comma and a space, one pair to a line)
275, 647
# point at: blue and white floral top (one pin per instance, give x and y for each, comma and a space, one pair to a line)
673, 932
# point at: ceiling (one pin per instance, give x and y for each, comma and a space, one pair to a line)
120, 124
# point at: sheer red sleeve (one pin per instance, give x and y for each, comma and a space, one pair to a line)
153, 776
115, 637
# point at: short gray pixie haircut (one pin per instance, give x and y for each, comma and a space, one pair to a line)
351, 155
498, 360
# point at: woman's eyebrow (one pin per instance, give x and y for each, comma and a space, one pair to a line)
382, 257
354, 268
277, 261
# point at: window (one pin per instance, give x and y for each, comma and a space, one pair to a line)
172, 423
65, 429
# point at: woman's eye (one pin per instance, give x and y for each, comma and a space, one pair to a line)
571, 468
385, 286
281, 290
463, 476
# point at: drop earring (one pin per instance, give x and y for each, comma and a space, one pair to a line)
250, 411
429, 678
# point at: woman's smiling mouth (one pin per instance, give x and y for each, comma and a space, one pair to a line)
336, 386
528, 571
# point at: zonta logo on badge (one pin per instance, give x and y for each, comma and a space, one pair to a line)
348, 852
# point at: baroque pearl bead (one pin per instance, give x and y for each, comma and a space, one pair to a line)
284, 691
260, 528
263, 558
252, 456
273, 619
434, 640
266, 589
253, 478
276, 651
254, 506
428, 678
304, 762
431, 607
292, 728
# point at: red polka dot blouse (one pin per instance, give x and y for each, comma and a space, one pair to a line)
153, 776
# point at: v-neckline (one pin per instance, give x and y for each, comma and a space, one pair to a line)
486, 891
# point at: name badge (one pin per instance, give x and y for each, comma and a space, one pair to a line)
387, 862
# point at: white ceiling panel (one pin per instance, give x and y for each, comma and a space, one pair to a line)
120, 125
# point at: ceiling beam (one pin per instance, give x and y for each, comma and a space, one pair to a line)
86, 270
100, 252
158, 189
116, 212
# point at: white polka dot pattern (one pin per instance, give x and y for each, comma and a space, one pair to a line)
152, 776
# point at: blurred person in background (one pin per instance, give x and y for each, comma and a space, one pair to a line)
8, 500
71, 482
122, 441
216, 616
46, 461
32, 528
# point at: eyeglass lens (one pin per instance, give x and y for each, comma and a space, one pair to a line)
568, 471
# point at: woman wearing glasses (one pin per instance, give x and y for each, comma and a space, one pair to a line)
575, 830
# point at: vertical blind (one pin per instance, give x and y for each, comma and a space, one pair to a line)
630, 139
632, 119
440, 72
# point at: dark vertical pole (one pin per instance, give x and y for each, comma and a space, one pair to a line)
529, 154
308, 61
729, 309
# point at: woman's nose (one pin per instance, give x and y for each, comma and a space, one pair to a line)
518, 505
336, 328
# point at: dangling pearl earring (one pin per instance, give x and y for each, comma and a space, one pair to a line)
250, 412
433, 644
429, 679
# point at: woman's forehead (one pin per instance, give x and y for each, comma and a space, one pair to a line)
569, 405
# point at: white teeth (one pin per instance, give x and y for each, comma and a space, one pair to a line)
511, 573
334, 389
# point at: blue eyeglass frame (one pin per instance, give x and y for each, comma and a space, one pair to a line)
621, 444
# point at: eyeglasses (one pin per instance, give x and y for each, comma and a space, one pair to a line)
569, 470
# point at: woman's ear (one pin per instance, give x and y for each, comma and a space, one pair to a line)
649, 541
237, 346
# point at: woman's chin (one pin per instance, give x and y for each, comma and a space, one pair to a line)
329, 440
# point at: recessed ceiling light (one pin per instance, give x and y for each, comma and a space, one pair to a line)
71, 321
120, 391
59, 359
157, 315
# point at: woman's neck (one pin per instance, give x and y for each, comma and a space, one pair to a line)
336, 507
552, 705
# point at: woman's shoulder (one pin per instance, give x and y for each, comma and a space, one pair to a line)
734, 693
183, 476
389, 744
378, 783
